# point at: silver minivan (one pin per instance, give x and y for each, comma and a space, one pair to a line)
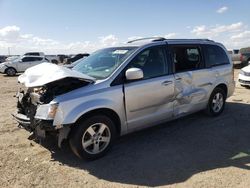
122, 89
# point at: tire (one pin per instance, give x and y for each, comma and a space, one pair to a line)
54, 61
87, 137
216, 102
10, 71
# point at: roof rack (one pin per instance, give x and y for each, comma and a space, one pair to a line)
209, 40
153, 39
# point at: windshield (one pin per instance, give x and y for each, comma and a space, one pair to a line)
102, 63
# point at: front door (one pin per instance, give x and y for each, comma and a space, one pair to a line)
28, 62
150, 100
24, 64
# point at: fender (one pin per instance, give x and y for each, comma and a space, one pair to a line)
73, 115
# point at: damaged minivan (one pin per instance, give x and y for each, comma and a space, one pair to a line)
122, 89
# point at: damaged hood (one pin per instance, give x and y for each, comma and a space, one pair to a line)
45, 73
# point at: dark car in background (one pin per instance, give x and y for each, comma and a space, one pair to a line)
76, 57
2, 58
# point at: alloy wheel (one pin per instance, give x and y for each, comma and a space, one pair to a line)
96, 138
217, 102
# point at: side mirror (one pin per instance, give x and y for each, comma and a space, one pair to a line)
134, 74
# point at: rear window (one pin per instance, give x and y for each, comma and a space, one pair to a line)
236, 51
215, 55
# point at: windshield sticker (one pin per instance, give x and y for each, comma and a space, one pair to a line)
120, 52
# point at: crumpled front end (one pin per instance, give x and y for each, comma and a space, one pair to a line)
28, 101
37, 105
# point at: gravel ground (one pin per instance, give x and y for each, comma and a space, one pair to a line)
195, 151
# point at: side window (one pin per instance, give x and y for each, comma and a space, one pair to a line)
30, 59
37, 59
26, 59
186, 58
152, 61
215, 55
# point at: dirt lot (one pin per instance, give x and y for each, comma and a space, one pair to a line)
195, 151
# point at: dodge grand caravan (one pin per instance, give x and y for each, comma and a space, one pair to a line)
122, 89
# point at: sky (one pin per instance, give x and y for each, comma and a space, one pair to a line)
78, 26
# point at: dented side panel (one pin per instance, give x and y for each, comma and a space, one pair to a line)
192, 90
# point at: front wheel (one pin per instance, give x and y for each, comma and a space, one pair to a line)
10, 71
216, 102
92, 137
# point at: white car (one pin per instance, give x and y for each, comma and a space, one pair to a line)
20, 64
244, 76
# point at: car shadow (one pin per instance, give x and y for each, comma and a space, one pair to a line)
172, 152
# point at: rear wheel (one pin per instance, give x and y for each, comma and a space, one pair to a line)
54, 61
10, 71
92, 137
216, 102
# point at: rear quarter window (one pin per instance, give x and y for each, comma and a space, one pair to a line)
215, 55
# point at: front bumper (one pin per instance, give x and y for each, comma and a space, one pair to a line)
244, 80
41, 128
22, 120
2, 68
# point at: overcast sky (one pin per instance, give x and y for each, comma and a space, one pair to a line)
61, 26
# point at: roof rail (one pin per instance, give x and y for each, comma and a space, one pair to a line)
153, 39
209, 40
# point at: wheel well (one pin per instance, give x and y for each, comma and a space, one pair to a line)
223, 86
9, 68
105, 111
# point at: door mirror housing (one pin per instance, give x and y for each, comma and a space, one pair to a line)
134, 74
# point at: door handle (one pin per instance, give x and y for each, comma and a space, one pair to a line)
167, 82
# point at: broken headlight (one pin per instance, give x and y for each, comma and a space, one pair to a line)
46, 111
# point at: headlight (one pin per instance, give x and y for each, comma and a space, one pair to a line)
46, 111
52, 110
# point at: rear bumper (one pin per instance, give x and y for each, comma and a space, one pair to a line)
237, 62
